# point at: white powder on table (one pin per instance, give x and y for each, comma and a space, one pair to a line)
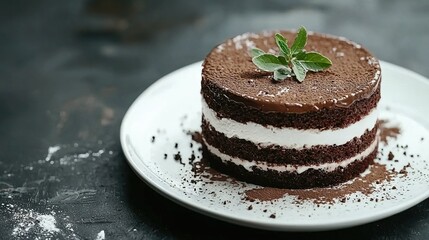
27, 221
100, 235
47, 223
51, 151
30, 224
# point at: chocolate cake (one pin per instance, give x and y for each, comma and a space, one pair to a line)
290, 134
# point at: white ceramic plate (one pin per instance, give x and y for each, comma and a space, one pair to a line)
171, 106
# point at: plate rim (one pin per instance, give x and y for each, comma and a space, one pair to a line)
263, 224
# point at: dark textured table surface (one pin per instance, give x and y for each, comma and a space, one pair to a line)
69, 70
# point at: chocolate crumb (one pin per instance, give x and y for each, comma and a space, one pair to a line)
390, 156
396, 160
178, 158
343, 200
165, 155
153, 139
412, 155
196, 136
405, 153
394, 187
191, 158
265, 210
421, 139
273, 216
250, 207
176, 145
191, 145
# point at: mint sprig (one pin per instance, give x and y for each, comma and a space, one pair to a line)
293, 61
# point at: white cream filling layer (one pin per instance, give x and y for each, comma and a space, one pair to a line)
328, 167
288, 137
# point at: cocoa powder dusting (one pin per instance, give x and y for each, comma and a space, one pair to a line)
265, 194
388, 132
364, 184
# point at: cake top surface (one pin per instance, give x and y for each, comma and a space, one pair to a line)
354, 74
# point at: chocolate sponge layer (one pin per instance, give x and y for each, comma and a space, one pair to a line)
328, 118
308, 179
236, 147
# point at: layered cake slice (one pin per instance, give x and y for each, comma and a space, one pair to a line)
290, 134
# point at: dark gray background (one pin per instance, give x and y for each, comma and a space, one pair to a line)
70, 69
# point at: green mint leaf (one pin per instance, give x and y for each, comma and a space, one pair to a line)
299, 70
282, 73
282, 44
314, 61
254, 52
283, 60
267, 62
301, 55
300, 41
293, 61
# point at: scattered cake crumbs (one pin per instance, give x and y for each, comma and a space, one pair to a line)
379, 174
